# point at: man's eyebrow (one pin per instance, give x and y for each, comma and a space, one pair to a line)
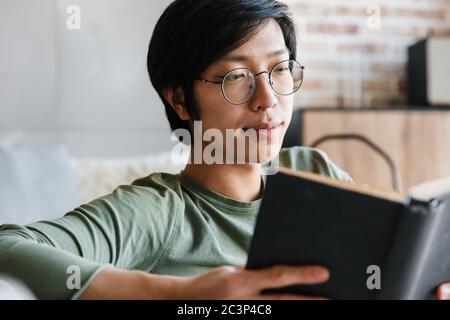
241, 58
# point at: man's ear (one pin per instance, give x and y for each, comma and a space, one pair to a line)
176, 101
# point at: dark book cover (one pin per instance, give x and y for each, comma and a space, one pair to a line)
304, 222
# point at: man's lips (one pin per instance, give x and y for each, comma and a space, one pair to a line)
266, 129
265, 126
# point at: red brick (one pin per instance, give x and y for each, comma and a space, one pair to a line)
332, 28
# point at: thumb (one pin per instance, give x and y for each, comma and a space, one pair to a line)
443, 292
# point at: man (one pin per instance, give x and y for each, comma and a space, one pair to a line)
231, 65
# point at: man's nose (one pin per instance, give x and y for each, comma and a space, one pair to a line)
264, 96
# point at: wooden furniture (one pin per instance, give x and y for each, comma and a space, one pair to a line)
418, 140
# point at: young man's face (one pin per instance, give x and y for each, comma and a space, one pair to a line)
265, 109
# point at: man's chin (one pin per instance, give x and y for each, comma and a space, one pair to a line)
265, 155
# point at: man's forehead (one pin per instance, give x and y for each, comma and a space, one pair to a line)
267, 42
239, 56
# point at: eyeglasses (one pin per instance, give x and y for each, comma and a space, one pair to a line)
239, 85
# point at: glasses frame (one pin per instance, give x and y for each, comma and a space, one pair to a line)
222, 82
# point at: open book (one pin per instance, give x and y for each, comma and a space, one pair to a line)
377, 244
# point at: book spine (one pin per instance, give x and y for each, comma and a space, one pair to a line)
410, 242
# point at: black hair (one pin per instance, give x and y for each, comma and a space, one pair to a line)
190, 35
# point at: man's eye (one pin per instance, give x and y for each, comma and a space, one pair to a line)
235, 77
282, 69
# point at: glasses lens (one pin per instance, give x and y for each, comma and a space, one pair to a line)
238, 86
287, 77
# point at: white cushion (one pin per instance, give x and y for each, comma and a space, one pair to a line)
36, 183
97, 177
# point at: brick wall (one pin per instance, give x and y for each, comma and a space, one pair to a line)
349, 60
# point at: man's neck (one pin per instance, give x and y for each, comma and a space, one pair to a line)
241, 182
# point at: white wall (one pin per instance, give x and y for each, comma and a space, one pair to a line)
86, 88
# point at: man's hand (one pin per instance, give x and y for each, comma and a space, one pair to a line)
237, 283
443, 292
228, 282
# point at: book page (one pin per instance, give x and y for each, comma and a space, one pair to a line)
431, 189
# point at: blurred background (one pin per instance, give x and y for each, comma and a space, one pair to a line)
73, 75
87, 88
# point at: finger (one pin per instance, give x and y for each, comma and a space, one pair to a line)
443, 292
280, 276
289, 297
